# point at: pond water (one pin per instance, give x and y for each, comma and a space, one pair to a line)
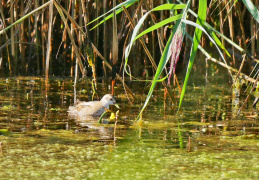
206, 141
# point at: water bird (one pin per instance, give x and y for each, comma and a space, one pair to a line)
93, 108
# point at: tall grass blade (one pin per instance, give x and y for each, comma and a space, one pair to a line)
210, 29
219, 33
158, 25
117, 8
165, 56
169, 7
107, 18
140, 23
24, 17
252, 9
218, 42
197, 36
210, 38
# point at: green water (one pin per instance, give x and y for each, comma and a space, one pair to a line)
206, 141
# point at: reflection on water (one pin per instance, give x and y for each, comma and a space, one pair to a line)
207, 140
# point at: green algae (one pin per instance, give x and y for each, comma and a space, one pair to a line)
5, 132
77, 158
204, 142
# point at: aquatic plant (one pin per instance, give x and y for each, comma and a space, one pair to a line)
72, 19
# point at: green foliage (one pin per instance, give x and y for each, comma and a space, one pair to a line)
197, 36
118, 9
252, 9
5, 132
160, 24
168, 48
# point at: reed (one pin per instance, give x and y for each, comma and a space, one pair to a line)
68, 24
49, 42
90, 11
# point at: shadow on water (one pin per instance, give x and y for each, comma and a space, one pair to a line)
39, 140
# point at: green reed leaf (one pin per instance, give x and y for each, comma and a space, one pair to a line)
165, 56
158, 25
197, 36
252, 9
118, 9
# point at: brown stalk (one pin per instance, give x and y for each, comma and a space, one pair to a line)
36, 38
141, 41
12, 36
161, 29
22, 38
110, 67
73, 10
29, 38
253, 34
49, 43
240, 17
7, 39
177, 82
160, 39
240, 69
81, 37
221, 19
231, 25
97, 29
114, 46
165, 95
43, 37
254, 86
153, 36
64, 36
76, 26
105, 31
90, 56
231, 69
84, 12
60, 10
257, 33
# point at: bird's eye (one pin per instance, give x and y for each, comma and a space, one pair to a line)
111, 99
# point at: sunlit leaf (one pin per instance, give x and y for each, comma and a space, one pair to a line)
118, 9
252, 9
165, 57
216, 39
210, 38
160, 24
25, 16
169, 7
140, 23
197, 36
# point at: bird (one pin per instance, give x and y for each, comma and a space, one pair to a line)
93, 108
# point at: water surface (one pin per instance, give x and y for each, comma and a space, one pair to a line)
206, 141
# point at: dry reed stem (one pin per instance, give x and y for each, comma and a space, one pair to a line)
49, 42
110, 67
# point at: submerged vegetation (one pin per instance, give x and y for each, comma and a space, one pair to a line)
39, 141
